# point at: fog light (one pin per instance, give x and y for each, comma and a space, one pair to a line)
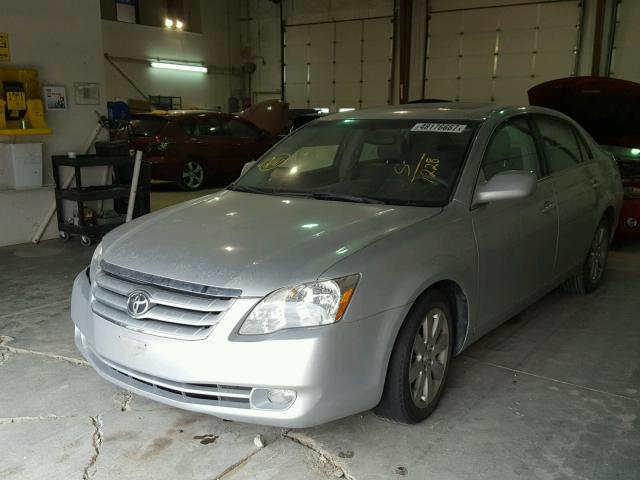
272, 398
280, 396
631, 222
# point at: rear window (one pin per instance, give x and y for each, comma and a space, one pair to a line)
147, 126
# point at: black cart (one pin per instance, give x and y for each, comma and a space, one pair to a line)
91, 228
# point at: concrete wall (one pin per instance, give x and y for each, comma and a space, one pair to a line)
62, 40
218, 46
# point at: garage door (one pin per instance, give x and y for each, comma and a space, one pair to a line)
336, 65
495, 54
625, 56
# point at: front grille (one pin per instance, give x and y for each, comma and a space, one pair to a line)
201, 394
177, 309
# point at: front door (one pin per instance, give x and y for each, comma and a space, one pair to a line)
516, 239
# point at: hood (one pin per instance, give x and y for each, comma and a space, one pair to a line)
607, 108
255, 243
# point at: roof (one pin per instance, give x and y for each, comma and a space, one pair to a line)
444, 111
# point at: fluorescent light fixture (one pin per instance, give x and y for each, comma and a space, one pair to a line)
180, 66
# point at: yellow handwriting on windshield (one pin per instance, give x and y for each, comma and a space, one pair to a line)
273, 162
426, 169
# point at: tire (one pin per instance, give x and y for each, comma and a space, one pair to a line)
407, 397
192, 175
590, 275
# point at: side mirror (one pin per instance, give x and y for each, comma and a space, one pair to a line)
246, 167
506, 186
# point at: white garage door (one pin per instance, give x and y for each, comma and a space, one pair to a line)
337, 65
496, 54
625, 57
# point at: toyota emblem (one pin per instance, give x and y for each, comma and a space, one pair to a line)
138, 303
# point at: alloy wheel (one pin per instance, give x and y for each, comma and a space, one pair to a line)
429, 358
598, 254
192, 175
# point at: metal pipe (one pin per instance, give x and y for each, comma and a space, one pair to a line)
427, 6
134, 185
597, 39
110, 60
394, 41
580, 42
518, 4
282, 65
612, 38
306, 24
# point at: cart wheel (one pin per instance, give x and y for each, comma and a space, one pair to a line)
64, 236
85, 241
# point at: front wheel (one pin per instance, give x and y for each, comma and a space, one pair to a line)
420, 360
590, 275
191, 176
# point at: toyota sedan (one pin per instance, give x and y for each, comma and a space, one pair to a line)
345, 269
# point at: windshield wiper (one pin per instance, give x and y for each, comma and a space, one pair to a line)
344, 197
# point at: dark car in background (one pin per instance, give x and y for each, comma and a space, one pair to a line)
195, 147
609, 109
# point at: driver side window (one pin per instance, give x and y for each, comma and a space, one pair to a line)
513, 147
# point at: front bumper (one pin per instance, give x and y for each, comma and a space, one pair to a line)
335, 370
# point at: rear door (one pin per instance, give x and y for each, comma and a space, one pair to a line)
208, 142
575, 187
516, 239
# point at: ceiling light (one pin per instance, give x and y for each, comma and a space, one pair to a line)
168, 23
180, 66
179, 25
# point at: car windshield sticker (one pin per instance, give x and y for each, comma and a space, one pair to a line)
273, 163
439, 127
426, 169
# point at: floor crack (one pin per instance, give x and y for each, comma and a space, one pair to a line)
236, 466
4, 347
325, 456
126, 401
6, 421
549, 379
96, 439
4, 356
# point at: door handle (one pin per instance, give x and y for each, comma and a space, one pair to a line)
547, 207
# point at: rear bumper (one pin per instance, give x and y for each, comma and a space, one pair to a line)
629, 215
335, 370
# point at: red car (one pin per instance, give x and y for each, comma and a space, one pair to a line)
609, 109
194, 147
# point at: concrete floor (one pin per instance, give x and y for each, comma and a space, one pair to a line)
552, 394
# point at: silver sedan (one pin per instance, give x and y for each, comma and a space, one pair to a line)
345, 268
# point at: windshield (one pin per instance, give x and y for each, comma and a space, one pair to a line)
401, 162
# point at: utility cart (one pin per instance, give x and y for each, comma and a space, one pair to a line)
87, 223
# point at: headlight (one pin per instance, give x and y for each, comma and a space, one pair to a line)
95, 262
307, 305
